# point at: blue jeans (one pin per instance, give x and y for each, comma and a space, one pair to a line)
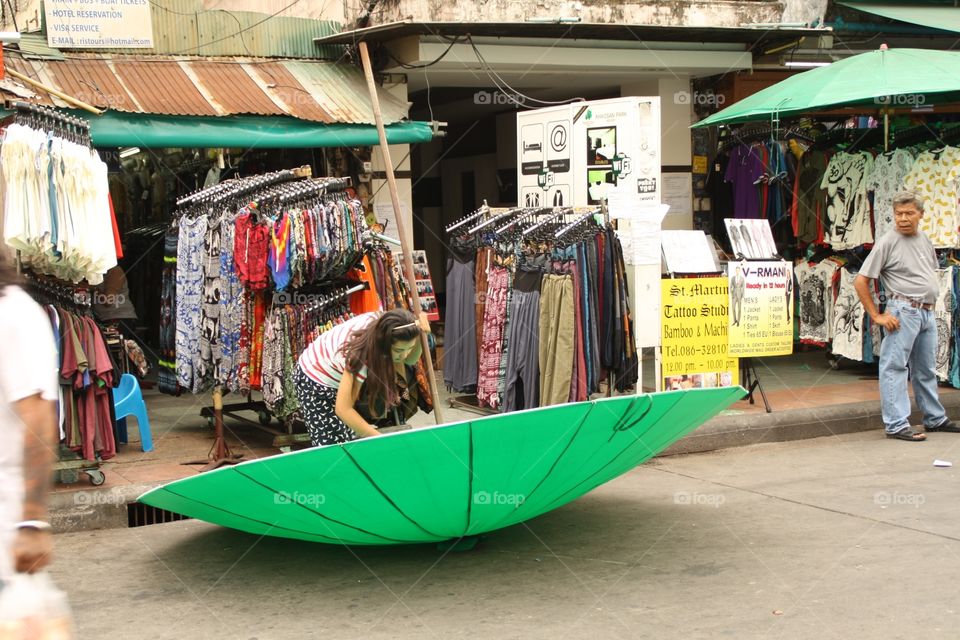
913, 344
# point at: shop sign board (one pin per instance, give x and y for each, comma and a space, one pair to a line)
761, 308
581, 153
694, 334
99, 24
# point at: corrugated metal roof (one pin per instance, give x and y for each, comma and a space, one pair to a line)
309, 90
35, 44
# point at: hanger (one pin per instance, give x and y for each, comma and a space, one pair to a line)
473, 216
496, 219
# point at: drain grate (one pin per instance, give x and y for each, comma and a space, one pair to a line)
142, 515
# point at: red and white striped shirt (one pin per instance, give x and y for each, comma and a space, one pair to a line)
323, 361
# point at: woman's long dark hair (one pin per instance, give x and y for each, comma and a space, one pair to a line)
371, 346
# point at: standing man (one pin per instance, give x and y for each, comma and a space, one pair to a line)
738, 287
905, 262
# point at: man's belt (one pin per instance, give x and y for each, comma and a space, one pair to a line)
916, 304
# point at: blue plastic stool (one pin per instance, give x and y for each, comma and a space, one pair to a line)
128, 401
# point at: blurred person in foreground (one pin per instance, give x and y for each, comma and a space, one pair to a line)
28, 428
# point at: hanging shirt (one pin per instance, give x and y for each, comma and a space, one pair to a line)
848, 320
934, 178
279, 257
815, 283
323, 361
744, 170
943, 311
848, 209
885, 180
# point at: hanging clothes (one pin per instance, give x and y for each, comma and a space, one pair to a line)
460, 364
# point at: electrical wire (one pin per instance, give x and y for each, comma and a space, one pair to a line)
427, 64
518, 96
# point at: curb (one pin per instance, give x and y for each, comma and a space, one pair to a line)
726, 431
90, 509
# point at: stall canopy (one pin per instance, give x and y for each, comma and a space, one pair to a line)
882, 78
945, 17
164, 101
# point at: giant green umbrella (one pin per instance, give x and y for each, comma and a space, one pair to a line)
882, 78
444, 482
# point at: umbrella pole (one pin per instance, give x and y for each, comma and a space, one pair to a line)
886, 131
401, 224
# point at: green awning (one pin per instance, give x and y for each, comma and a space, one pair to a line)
943, 17
117, 129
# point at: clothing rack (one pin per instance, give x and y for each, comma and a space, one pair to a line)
756, 134
527, 214
556, 214
498, 218
583, 218
45, 118
473, 216
243, 186
58, 290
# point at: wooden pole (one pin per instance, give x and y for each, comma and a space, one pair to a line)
406, 244
66, 98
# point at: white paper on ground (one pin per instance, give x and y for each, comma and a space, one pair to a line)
942, 463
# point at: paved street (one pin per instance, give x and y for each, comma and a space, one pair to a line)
853, 536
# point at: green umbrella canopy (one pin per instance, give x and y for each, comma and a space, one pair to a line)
445, 482
886, 77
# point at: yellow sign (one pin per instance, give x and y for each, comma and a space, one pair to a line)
700, 164
761, 308
694, 334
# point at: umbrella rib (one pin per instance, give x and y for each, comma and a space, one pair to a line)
622, 451
566, 448
383, 493
244, 517
469, 479
623, 426
317, 513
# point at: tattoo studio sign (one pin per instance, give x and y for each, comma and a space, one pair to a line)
694, 334
761, 308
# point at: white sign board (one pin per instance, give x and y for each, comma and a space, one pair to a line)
99, 24
688, 252
582, 153
578, 154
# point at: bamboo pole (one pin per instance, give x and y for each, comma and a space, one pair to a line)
39, 85
405, 241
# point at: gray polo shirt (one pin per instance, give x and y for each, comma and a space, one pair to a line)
906, 265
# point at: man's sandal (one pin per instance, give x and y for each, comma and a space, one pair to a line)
908, 434
946, 426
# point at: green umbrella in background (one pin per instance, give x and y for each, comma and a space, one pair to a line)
445, 482
882, 78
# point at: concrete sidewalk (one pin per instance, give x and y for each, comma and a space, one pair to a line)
850, 536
